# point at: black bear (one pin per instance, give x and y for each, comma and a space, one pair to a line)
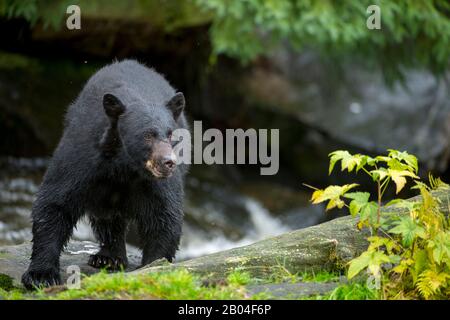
114, 163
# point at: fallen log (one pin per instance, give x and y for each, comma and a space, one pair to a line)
327, 246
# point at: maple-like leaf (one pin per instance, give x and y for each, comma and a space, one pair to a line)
408, 229
333, 195
359, 200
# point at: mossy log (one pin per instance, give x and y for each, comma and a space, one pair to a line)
328, 246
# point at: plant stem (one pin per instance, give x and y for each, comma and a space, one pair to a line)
385, 184
366, 171
379, 203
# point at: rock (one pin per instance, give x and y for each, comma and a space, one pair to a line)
327, 246
14, 260
356, 106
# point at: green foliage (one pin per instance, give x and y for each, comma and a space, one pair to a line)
395, 166
49, 11
167, 15
239, 278
370, 260
15, 294
408, 229
352, 291
413, 33
409, 253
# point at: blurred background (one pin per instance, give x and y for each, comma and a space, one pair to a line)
309, 68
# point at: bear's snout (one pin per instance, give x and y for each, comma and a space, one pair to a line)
170, 161
163, 160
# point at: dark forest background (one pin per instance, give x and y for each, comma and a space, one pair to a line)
310, 68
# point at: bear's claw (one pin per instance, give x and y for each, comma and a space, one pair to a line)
107, 262
37, 279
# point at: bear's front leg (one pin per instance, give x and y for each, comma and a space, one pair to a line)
111, 235
160, 231
52, 227
160, 242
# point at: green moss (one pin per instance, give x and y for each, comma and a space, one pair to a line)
8, 290
11, 61
321, 276
6, 282
281, 274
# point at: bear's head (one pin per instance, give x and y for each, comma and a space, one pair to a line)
145, 133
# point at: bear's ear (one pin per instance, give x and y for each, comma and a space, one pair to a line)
113, 106
176, 104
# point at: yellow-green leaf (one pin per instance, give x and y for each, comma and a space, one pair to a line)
440, 246
379, 174
332, 194
407, 158
372, 260
398, 176
358, 264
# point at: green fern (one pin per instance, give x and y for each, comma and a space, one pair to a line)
430, 283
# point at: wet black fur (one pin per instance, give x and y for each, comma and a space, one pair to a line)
98, 170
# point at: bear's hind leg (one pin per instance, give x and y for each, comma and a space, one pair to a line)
111, 235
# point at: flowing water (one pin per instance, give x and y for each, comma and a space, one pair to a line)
219, 215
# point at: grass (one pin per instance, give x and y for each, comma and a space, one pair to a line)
349, 291
182, 285
353, 291
174, 285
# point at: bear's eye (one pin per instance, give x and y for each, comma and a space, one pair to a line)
169, 135
149, 135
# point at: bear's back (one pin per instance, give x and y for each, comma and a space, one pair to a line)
129, 77
129, 80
